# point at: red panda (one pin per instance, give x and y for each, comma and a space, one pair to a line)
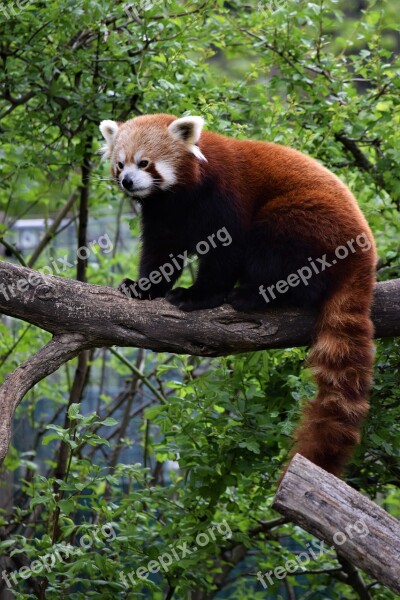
284, 212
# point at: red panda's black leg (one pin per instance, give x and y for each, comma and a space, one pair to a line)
141, 289
157, 274
189, 299
217, 275
144, 289
246, 298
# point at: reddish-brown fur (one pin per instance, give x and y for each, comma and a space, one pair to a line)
342, 366
287, 193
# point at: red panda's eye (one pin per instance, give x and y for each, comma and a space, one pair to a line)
120, 165
143, 164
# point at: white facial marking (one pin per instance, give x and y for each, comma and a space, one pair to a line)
167, 173
142, 181
121, 156
138, 157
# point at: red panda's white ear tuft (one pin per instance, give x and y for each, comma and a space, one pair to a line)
188, 130
108, 130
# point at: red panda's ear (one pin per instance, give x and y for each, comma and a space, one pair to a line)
188, 130
109, 130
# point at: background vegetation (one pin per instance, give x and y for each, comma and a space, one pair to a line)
164, 446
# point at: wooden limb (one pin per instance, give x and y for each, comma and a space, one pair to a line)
105, 317
83, 316
363, 534
58, 351
351, 145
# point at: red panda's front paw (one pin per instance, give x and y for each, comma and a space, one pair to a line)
179, 297
189, 299
129, 288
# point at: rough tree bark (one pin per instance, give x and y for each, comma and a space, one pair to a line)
57, 352
82, 316
361, 531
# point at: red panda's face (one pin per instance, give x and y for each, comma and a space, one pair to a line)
148, 152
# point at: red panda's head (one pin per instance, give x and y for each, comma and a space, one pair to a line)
152, 152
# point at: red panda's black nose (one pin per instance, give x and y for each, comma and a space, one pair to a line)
127, 183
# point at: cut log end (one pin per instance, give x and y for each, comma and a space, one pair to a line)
360, 530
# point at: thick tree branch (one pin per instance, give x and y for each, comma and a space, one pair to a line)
360, 159
363, 533
351, 145
82, 316
107, 318
57, 352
